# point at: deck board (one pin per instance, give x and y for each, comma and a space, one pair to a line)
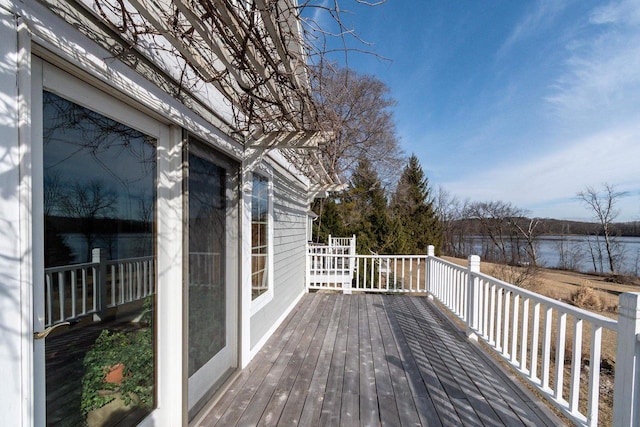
348, 360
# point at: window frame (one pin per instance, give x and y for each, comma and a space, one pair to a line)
262, 300
78, 88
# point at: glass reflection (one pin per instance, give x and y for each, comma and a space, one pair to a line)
259, 236
207, 296
99, 217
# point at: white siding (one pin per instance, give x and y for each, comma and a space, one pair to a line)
290, 236
14, 326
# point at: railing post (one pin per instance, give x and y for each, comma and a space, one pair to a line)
472, 297
307, 270
431, 250
626, 397
329, 242
97, 257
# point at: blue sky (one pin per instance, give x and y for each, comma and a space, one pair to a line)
526, 102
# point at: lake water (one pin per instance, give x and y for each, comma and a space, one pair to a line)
577, 255
116, 246
577, 249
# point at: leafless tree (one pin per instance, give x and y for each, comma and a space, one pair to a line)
603, 206
496, 220
88, 202
449, 210
356, 109
529, 230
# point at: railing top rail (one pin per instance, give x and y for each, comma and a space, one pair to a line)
580, 313
69, 267
124, 260
452, 264
358, 256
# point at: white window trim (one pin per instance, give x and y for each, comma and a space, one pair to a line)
260, 302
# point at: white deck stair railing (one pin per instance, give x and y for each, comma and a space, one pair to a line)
554, 346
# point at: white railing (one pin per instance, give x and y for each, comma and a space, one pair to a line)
342, 241
390, 273
555, 346
77, 290
531, 332
331, 266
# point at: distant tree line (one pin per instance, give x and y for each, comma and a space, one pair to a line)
501, 232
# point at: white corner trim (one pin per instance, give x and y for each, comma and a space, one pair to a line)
275, 326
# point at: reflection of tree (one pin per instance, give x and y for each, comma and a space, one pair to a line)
88, 202
58, 252
96, 135
99, 178
146, 212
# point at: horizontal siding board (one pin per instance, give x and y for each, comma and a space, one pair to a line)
290, 209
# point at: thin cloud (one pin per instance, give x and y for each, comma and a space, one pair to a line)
601, 73
606, 157
541, 18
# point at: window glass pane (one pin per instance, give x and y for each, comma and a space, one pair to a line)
100, 266
259, 235
207, 295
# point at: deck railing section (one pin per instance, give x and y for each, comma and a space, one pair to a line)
78, 290
331, 266
531, 332
390, 273
555, 346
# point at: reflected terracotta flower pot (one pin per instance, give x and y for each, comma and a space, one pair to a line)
114, 374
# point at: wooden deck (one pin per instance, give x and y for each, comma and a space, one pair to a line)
371, 360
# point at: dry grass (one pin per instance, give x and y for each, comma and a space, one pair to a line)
587, 298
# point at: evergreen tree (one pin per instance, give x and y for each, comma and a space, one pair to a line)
413, 208
330, 222
366, 213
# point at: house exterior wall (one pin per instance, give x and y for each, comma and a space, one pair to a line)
290, 221
72, 49
14, 320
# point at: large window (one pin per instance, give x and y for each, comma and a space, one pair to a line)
260, 224
100, 266
207, 293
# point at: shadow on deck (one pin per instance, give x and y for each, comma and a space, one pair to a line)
371, 360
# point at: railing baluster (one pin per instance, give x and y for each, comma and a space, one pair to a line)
372, 270
500, 294
560, 349
61, 294
525, 335
576, 364
410, 275
485, 312
121, 283
546, 347
492, 315
94, 272
49, 300
505, 327
594, 376
84, 291
74, 296
534, 341
514, 329
113, 285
